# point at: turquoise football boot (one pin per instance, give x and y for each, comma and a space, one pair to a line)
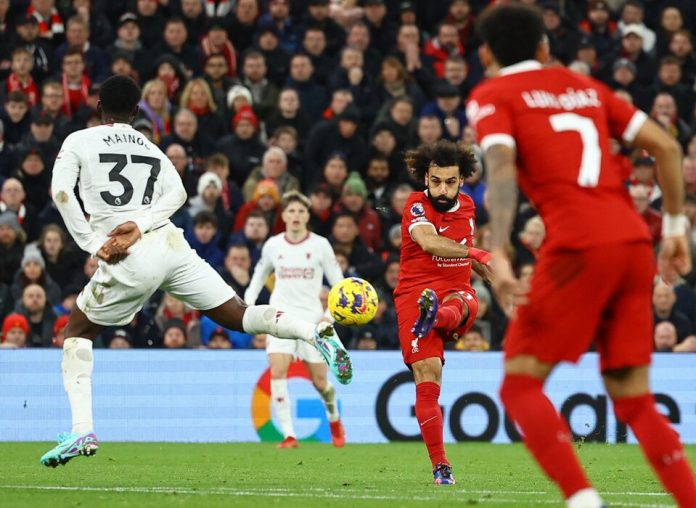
69, 446
333, 351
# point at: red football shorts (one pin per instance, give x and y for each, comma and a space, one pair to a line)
433, 344
577, 297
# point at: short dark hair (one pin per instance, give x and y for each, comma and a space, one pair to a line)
72, 51
443, 153
119, 95
202, 218
512, 31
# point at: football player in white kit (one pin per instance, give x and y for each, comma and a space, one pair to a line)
130, 189
300, 259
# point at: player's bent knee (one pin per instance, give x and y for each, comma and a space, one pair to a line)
627, 382
229, 314
528, 365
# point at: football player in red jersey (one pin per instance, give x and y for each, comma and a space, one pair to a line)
549, 129
437, 231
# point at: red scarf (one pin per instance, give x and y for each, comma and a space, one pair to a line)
172, 83
47, 30
29, 88
227, 50
199, 111
21, 213
72, 99
217, 11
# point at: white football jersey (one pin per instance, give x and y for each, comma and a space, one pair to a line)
121, 175
299, 271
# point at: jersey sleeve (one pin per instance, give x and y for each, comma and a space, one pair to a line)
262, 270
66, 173
332, 271
491, 118
415, 212
625, 120
168, 197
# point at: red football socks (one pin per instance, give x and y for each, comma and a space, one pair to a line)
429, 417
546, 434
449, 315
661, 446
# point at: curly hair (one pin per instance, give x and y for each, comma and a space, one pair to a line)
443, 153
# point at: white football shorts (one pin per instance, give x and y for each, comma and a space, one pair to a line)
297, 348
160, 259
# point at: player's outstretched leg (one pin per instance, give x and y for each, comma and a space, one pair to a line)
70, 445
427, 306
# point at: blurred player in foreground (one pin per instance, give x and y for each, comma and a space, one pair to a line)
434, 289
300, 260
130, 189
551, 129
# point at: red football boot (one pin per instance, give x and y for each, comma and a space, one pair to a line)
288, 442
338, 434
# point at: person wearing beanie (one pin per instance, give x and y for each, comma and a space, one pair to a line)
15, 329
219, 339
33, 271
265, 199
11, 246
242, 147
209, 199
174, 334
59, 331
238, 98
353, 201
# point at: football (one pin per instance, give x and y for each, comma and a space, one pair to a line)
352, 302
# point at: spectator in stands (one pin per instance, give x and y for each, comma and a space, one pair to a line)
278, 15
242, 148
219, 339
318, 16
99, 26
345, 238
531, 239
461, 16
183, 165
172, 308
681, 46
277, 59
232, 198
408, 52
274, 166
624, 77
669, 80
175, 44
76, 83
33, 271
198, 98
52, 101
27, 36
209, 199
392, 215
473, 341
12, 199
320, 198
35, 178
443, 45
382, 28
631, 48
313, 96
15, 118
671, 21
350, 76
51, 26
287, 139
664, 111
15, 329
288, 113
665, 337
215, 74
395, 82
456, 75
640, 194
40, 138
337, 136
358, 37
429, 129
314, 46
39, 314
62, 263
172, 73
238, 98
664, 299
174, 335
196, 20
563, 39
263, 92
600, 27
186, 132
241, 23
77, 36
217, 42
377, 179
119, 339
59, 331
384, 145
237, 267
20, 79
633, 13
448, 108
204, 238
128, 43
400, 118
254, 234
265, 199
353, 201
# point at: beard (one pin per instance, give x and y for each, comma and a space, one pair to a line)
442, 203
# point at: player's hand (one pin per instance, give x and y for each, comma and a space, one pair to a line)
674, 258
508, 290
483, 271
123, 236
111, 254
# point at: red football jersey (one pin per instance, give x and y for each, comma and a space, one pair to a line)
561, 124
420, 269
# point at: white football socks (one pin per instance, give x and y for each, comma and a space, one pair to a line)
585, 498
77, 367
329, 398
280, 400
267, 319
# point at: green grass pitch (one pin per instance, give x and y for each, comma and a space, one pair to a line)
148, 475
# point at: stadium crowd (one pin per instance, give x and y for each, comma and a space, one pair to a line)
252, 98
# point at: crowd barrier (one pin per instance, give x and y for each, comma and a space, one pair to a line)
217, 396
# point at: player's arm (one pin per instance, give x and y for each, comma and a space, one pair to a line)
483, 271
675, 255
427, 238
66, 171
262, 270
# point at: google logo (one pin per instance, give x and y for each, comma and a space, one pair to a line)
306, 408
